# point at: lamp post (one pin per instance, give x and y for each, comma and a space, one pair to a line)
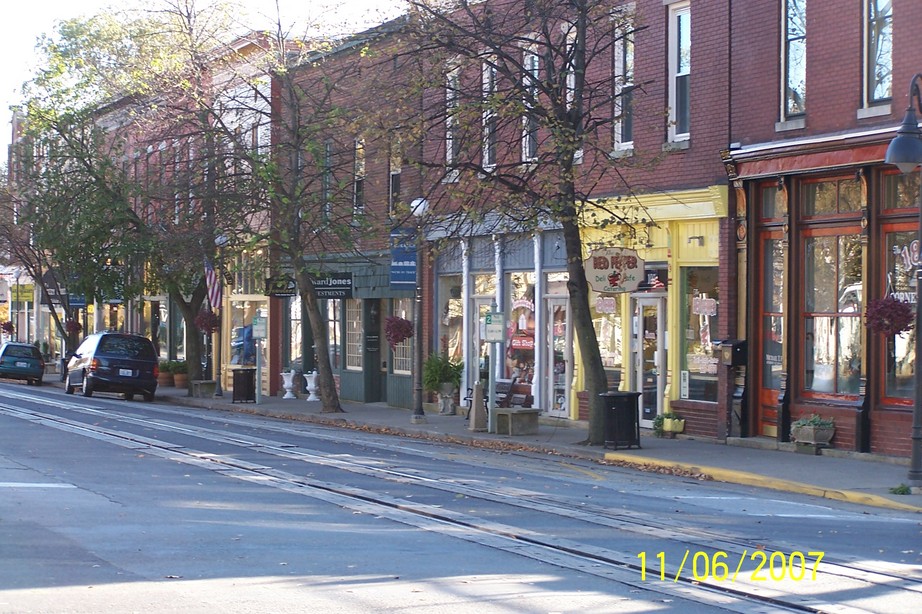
418, 207
905, 151
220, 241
16, 276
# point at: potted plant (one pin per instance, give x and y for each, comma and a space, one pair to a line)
397, 330
165, 374
813, 429
443, 376
180, 371
889, 316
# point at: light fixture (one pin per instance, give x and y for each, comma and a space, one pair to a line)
905, 151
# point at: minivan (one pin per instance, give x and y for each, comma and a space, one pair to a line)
114, 362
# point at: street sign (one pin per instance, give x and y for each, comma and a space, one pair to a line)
494, 327
259, 327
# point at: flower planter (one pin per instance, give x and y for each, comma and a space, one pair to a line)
181, 380
164, 379
814, 435
673, 425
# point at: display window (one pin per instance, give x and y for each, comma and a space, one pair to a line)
700, 316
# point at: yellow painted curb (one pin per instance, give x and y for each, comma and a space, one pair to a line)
753, 479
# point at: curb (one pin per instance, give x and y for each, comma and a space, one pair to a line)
745, 478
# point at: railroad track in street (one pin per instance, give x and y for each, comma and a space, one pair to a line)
689, 563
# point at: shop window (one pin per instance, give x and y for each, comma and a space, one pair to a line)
899, 191
403, 353
832, 304
242, 344
520, 331
294, 339
900, 356
774, 204
606, 319
354, 334
700, 354
833, 197
451, 320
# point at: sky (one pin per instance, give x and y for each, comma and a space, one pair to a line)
27, 21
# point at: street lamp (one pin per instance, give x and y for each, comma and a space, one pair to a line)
905, 151
220, 241
418, 207
16, 276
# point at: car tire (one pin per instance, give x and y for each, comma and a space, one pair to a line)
68, 389
87, 389
129, 396
37, 382
149, 397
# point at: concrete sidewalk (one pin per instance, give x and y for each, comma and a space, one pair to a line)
859, 478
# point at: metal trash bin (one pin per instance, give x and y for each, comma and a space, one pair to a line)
244, 385
621, 421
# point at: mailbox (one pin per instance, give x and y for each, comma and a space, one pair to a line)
733, 352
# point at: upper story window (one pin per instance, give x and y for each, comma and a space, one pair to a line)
326, 179
394, 171
794, 59
530, 78
489, 115
624, 77
878, 33
452, 138
679, 71
358, 181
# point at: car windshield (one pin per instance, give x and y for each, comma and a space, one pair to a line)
129, 347
18, 351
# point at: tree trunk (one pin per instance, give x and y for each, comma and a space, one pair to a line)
329, 398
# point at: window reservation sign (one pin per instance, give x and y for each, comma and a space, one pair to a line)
614, 269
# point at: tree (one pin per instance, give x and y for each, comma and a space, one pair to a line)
519, 107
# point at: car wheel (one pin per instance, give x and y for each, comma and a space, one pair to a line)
68, 389
149, 397
129, 396
87, 389
28, 382
38, 382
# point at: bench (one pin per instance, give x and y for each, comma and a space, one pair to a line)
202, 388
517, 420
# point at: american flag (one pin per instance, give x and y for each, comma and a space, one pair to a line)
213, 283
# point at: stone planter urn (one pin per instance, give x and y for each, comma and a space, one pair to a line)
814, 435
446, 399
673, 425
311, 380
288, 381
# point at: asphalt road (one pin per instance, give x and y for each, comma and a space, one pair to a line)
127, 506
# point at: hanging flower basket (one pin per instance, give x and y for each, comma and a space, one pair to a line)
72, 327
207, 321
7, 327
397, 330
888, 316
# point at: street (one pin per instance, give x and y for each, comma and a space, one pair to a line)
128, 506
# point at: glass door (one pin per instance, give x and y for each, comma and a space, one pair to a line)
478, 366
649, 356
559, 358
770, 340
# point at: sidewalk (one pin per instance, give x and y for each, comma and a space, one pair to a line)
858, 478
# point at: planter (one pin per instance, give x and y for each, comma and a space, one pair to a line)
673, 425
446, 399
164, 379
181, 380
814, 435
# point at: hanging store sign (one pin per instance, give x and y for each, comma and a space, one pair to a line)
334, 285
403, 259
281, 286
614, 269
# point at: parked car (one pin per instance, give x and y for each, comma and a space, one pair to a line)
22, 361
114, 362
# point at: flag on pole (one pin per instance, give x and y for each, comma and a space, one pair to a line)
213, 284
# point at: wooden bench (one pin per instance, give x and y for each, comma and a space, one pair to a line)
202, 388
517, 420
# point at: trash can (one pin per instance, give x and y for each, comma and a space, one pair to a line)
244, 385
621, 421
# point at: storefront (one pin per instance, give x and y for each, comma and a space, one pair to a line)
827, 234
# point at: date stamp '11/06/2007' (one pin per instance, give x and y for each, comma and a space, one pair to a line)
720, 566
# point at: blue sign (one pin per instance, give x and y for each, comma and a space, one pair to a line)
403, 259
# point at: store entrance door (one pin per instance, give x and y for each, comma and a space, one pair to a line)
478, 368
560, 357
649, 356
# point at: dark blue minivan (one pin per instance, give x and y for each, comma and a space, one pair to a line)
114, 362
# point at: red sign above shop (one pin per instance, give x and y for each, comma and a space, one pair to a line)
614, 269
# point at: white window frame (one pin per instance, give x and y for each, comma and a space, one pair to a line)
531, 69
677, 11
354, 333
787, 119
488, 80
869, 64
452, 91
624, 74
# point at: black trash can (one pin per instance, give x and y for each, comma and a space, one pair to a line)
244, 385
621, 421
